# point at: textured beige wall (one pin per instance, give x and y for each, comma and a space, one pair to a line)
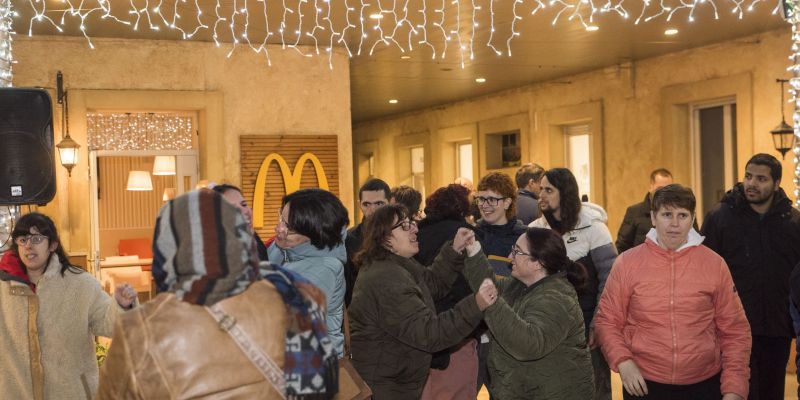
233, 96
632, 98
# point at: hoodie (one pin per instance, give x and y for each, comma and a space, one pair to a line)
589, 244
325, 269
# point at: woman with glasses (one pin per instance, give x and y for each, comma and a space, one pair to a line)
394, 323
50, 312
538, 348
497, 230
309, 240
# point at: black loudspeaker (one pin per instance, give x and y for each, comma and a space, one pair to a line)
27, 162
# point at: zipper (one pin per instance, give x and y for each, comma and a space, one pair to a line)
672, 316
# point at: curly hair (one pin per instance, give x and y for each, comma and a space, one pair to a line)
570, 203
377, 231
449, 202
503, 185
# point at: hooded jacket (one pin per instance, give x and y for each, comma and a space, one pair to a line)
325, 269
589, 244
47, 337
677, 315
761, 252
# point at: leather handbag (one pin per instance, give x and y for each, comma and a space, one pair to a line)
351, 386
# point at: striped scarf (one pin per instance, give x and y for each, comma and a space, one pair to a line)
204, 252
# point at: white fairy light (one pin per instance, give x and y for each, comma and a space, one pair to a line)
6, 33
414, 20
794, 90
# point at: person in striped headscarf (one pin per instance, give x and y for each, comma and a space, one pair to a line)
223, 326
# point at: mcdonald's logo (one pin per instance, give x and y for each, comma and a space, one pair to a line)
291, 180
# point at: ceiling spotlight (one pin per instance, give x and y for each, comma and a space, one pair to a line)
376, 16
480, 80
592, 28
405, 57
671, 31
393, 101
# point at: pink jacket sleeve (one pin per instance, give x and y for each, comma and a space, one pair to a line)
611, 314
733, 333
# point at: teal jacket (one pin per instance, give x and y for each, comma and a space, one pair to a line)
325, 269
538, 348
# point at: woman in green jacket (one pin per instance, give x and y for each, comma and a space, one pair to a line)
394, 323
538, 347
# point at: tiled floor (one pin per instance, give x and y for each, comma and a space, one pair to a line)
616, 388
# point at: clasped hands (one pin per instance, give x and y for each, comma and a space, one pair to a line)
465, 240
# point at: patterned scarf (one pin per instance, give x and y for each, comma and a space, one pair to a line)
204, 252
311, 366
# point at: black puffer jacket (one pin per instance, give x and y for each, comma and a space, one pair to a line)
634, 226
761, 252
497, 241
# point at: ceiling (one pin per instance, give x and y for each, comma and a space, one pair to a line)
542, 51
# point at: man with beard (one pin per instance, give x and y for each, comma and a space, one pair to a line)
588, 242
756, 230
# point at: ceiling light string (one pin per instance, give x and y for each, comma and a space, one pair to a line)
514, 32
440, 25
317, 26
362, 26
7, 15
333, 35
457, 31
491, 28
475, 9
378, 17
397, 24
348, 25
423, 27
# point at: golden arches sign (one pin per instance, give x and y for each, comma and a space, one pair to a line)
291, 180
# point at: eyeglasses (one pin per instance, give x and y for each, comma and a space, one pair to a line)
34, 239
492, 201
405, 224
281, 221
516, 251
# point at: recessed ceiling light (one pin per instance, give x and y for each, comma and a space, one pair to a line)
592, 28
376, 16
405, 57
393, 101
671, 31
480, 80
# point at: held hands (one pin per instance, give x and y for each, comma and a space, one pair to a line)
593, 343
465, 240
487, 294
632, 379
125, 295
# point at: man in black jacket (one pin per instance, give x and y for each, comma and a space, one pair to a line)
756, 230
637, 221
373, 193
528, 180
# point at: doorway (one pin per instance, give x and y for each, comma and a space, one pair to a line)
714, 152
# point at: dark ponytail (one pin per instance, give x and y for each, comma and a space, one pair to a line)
576, 275
547, 247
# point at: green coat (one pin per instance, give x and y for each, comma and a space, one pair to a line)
394, 324
538, 348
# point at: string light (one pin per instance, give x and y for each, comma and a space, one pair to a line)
794, 90
6, 33
310, 25
139, 131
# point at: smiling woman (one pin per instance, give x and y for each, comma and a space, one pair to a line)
394, 323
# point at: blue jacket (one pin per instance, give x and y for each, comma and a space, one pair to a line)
325, 269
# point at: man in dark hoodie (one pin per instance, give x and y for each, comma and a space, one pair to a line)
756, 230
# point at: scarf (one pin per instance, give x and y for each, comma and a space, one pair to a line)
311, 366
203, 250
12, 265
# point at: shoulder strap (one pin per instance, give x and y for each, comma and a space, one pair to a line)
262, 361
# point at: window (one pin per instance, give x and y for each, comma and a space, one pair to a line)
418, 169
464, 160
503, 150
714, 155
579, 156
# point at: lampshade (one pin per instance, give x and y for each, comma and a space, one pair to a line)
164, 165
169, 194
139, 181
68, 151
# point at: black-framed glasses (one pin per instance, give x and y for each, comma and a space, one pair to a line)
492, 201
516, 251
34, 239
406, 224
